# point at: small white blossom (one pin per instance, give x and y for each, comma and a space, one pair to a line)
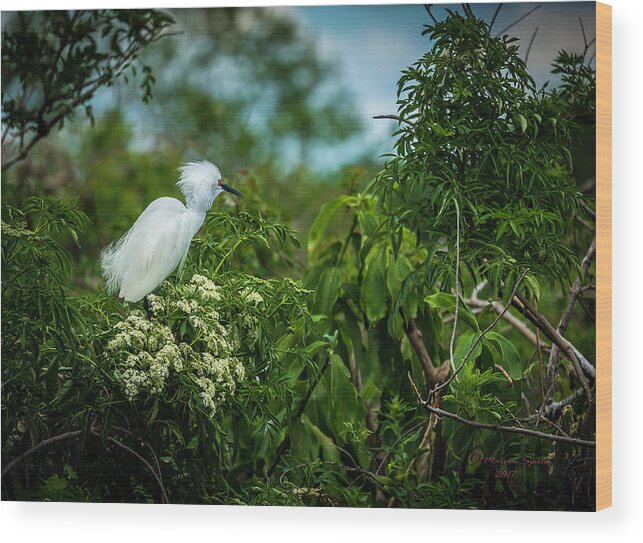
148, 355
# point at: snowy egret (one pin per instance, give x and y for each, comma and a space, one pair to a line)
158, 242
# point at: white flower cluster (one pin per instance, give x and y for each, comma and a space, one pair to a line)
147, 352
218, 378
251, 296
205, 288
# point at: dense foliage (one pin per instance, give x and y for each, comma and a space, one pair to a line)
433, 347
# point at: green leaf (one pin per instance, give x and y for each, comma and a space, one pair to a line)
327, 291
462, 346
510, 357
373, 291
345, 404
330, 452
327, 214
533, 285
442, 300
397, 272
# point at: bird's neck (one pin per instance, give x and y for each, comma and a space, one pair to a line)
202, 201
196, 219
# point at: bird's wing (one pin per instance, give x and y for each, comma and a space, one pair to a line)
149, 251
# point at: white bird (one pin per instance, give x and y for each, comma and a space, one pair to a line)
158, 242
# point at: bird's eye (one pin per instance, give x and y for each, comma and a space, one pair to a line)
220, 182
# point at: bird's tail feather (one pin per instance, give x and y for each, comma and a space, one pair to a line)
112, 262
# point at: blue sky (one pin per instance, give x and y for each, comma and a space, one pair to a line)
372, 44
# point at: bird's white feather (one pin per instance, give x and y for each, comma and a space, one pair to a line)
159, 241
198, 183
151, 250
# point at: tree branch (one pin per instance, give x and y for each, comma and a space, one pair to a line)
553, 409
164, 497
514, 321
531, 43
427, 7
574, 293
44, 443
468, 11
508, 429
457, 282
545, 326
393, 117
478, 340
518, 20
495, 15
434, 375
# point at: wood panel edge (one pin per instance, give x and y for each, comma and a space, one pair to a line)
603, 256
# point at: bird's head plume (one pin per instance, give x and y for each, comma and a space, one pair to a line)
201, 182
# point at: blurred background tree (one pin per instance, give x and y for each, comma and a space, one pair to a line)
244, 87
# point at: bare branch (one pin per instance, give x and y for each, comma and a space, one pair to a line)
468, 11
395, 118
457, 283
553, 410
514, 321
574, 293
434, 375
582, 28
164, 496
44, 443
427, 7
518, 20
572, 353
588, 209
504, 372
509, 429
495, 15
531, 42
586, 43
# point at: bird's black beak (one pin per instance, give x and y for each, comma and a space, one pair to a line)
231, 190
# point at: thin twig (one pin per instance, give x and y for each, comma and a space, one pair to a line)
495, 14
509, 429
518, 20
393, 117
427, 7
585, 206
504, 372
151, 449
519, 325
531, 42
582, 28
457, 283
468, 11
164, 497
586, 43
538, 417
37, 447
574, 293
478, 340
300, 411
390, 450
